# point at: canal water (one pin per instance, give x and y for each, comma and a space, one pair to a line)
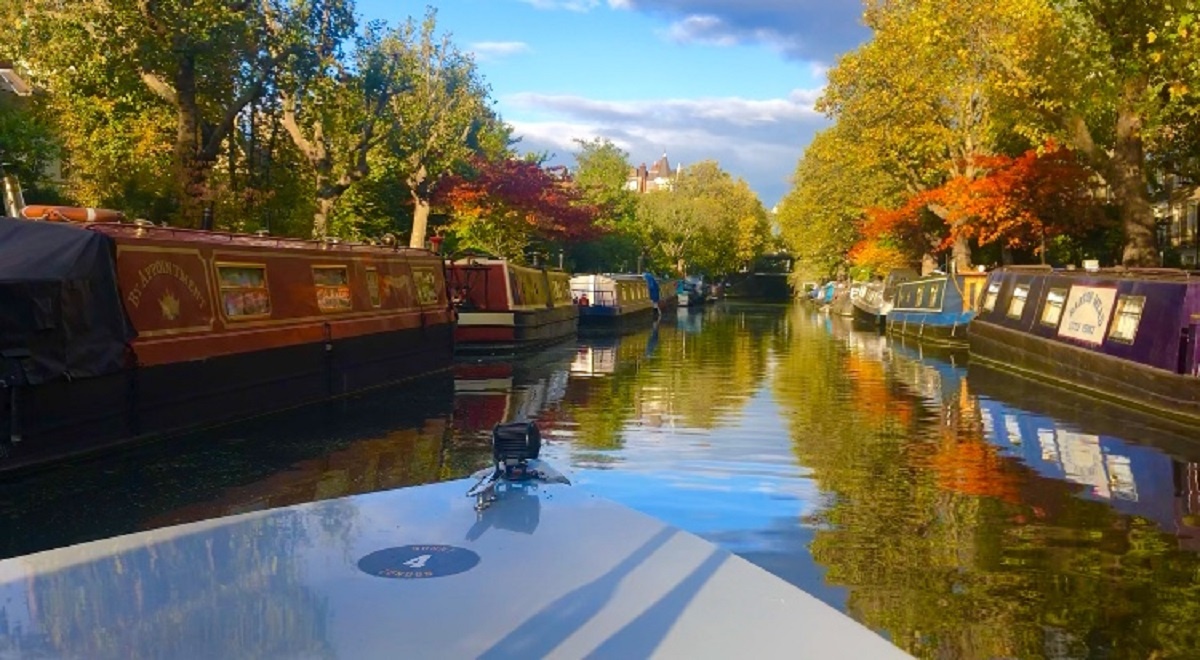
958, 511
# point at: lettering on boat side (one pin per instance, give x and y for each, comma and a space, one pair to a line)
1088, 311
415, 562
162, 267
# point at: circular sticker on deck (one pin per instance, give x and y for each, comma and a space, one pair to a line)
415, 562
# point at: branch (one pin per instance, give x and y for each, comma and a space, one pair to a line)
222, 129
288, 119
1081, 138
146, 9
160, 87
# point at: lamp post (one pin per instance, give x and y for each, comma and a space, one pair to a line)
1161, 226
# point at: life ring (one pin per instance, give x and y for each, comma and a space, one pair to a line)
70, 213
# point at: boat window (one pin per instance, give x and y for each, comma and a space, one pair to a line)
934, 289
332, 287
1052, 309
1016, 306
373, 287
920, 297
427, 292
1127, 318
993, 292
244, 291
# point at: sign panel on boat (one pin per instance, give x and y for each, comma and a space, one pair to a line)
1087, 313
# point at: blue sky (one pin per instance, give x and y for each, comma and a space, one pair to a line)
732, 81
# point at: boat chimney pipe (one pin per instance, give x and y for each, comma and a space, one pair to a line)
206, 218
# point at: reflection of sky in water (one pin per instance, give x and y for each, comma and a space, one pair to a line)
738, 485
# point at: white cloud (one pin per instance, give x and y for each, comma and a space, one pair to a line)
800, 29
757, 140
493, 50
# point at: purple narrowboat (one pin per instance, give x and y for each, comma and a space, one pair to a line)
1125, 335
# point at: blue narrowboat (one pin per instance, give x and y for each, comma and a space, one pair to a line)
1125, 335
612, 300
936, 308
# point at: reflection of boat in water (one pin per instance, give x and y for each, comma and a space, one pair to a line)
934, 373
420, 572
488, 392
1069, 437
379, 440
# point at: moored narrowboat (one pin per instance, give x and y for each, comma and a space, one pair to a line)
505, 307
689, 292
936, 308
872, 307
112, 331
612, 300
1130, 336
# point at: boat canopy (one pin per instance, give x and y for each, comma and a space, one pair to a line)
60, 308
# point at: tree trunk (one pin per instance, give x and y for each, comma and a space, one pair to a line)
1129, 173
961, 254
928, 264
321, 217
192, 171
416, 184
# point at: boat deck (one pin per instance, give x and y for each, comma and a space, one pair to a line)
549, 571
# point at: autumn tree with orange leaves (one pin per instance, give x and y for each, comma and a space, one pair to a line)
1020, 203
503, 207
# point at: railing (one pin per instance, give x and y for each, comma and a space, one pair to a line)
602, 299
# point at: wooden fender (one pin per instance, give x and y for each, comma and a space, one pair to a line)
70, 214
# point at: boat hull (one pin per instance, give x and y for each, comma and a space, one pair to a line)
1124, 335
608, 319
496, 333
64, 419
867, 317
931, 327
1176, 396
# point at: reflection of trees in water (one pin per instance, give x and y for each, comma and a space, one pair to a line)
230, 592
958, 552
690, 379
379, 440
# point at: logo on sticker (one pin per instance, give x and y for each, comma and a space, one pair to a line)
415, 562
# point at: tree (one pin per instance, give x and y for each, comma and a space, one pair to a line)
707, 220
831, 190
1126, 82
441, 115
203, 59
333, 109
601, 171
502, 206
27, 143
934, 89
1017, 202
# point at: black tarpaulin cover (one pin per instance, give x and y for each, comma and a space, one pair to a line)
60, 308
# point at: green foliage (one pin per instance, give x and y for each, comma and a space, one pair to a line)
832, 188
707, 222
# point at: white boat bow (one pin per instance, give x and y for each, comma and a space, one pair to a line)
543, 571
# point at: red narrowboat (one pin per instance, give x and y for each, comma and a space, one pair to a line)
504, 307
111, 331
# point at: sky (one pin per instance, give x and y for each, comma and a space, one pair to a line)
733, 81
